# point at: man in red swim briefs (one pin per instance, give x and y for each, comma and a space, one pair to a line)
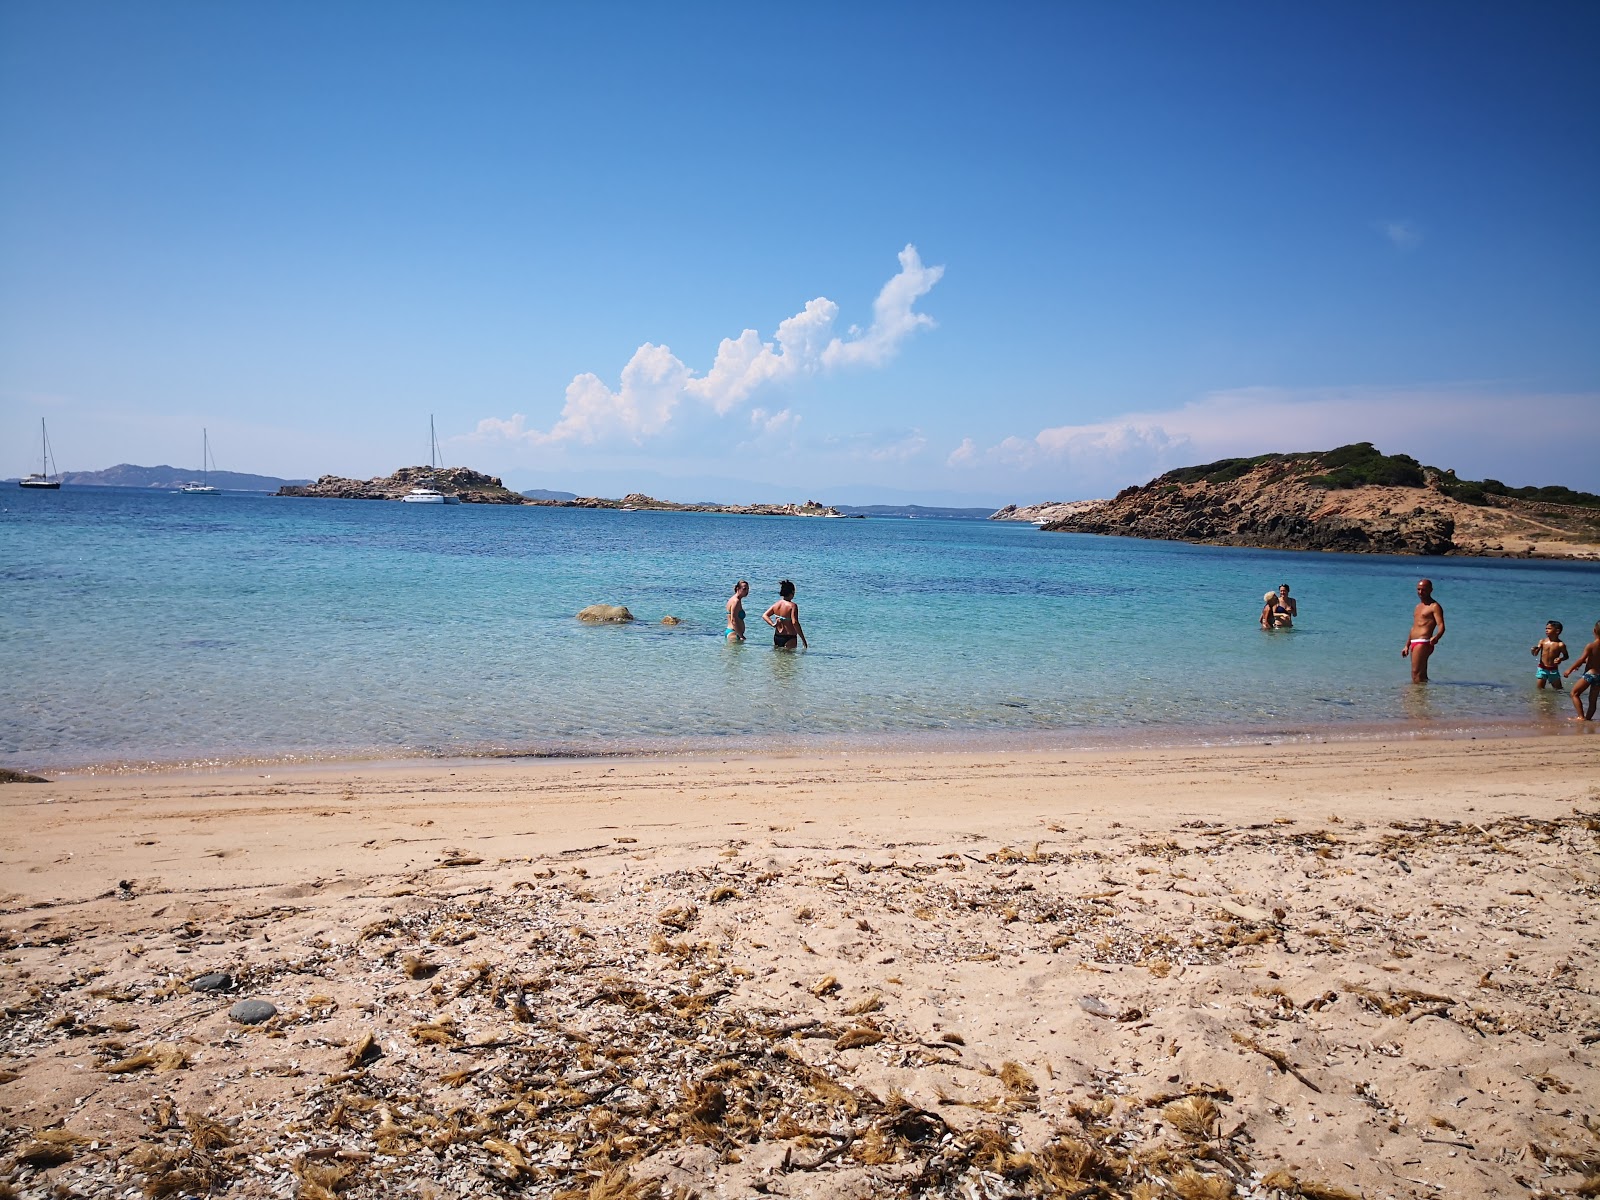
1427, 627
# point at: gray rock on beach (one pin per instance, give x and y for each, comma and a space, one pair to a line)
215, 981
253, 1012
605, 614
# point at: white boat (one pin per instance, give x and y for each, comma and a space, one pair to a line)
203, 488
41, 479
425, 493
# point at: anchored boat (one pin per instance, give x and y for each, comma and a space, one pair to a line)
47, 461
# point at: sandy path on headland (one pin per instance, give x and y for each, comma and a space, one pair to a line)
1364, 969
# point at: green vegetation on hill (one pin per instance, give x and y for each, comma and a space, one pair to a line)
1361, 464
1357, 465
1472, 491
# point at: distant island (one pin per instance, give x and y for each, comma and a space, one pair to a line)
473, 487
170, 478
1354, 498
470, 487
639, 502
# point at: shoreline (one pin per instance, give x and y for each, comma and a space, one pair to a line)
934, 742
1267, 970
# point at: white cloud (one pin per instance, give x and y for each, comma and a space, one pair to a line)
1474, 428
1403, 235
885, 446
656, 382
963, 454
892, 318
767, 424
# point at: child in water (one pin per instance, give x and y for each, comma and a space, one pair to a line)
1589, 660
1552, 652
1273, 614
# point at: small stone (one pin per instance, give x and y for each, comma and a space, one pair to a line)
216, 981
253, 1012
670, 620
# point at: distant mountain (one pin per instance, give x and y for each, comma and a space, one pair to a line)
547, 494
915, 510
165, 477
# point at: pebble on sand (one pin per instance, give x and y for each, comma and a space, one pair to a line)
253, 1012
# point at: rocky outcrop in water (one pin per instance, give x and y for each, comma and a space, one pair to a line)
606, 614
639, 502
472, 487
1044, 513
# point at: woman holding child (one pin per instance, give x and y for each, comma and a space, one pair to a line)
1279, 609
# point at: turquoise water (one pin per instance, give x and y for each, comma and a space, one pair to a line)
143, 626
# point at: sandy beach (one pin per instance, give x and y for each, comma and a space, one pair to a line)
1322, 970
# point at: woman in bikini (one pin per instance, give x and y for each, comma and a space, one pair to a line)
784, 617
735, 629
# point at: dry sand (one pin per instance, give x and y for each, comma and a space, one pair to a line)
1357, 969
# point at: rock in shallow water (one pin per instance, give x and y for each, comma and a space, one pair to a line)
605, 613
253, 1012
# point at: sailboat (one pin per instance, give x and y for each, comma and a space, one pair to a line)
203, 488
46, 461
425, 492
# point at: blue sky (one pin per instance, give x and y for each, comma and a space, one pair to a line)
987, 253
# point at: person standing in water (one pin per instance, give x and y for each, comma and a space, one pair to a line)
1551, 652
784, 617
1286, 603
735, 630
1589, 663
1427, 627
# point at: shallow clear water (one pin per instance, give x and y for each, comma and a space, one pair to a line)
151, 626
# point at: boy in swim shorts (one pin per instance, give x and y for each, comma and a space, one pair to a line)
1552, 652
1589, 660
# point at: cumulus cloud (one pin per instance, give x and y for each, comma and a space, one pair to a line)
1476, 428
656, 383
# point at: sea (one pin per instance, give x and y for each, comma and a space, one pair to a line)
148, 628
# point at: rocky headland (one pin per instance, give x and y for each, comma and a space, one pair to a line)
1352, 499
471, 487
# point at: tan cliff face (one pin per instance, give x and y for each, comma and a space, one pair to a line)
1273, 507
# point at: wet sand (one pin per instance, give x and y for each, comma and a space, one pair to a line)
1361, 969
